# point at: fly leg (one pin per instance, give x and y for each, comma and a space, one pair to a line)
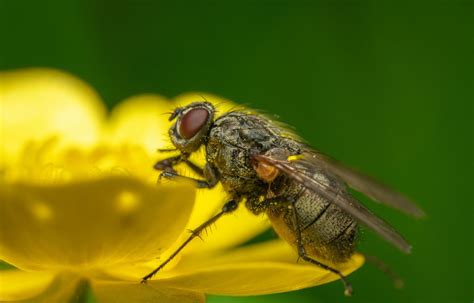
210, 176
227, 208
302, 254
166, 150
167, 165
194, 167
174, 175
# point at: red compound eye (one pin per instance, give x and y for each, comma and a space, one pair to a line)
192, 122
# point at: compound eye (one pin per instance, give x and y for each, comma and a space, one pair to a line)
192, 122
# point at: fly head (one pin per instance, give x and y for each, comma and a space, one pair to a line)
192, 125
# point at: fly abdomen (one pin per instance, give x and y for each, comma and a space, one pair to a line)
327, 232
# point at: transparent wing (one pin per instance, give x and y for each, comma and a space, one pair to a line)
296, 169
375, 190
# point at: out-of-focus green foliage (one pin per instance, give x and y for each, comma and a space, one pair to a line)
387, 88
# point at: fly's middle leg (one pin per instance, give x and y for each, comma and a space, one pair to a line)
303, 255
229, 207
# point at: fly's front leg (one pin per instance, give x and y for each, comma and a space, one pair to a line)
303, 255
169, 163
229, 207
194, 167
210, 177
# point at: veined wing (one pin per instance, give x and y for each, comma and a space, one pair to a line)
373, 189
296, 170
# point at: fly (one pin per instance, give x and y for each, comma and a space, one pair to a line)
303, 192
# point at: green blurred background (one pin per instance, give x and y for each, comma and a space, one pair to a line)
387, 88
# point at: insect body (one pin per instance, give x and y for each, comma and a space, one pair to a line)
303, 193
233, 142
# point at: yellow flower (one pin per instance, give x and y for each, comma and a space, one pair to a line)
80, 208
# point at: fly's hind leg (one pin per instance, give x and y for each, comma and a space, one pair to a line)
257, 207
303, 255
228, 208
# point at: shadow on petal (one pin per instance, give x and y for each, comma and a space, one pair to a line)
121, 292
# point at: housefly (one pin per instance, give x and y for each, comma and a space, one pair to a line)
303, 192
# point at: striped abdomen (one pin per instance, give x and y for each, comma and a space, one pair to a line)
327, 232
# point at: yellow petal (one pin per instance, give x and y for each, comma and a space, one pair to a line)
118, 292
65, 287
19, 285
40, 103
231, 231
254, 270
141, 120
90, 224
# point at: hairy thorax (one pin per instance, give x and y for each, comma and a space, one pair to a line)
233, 139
